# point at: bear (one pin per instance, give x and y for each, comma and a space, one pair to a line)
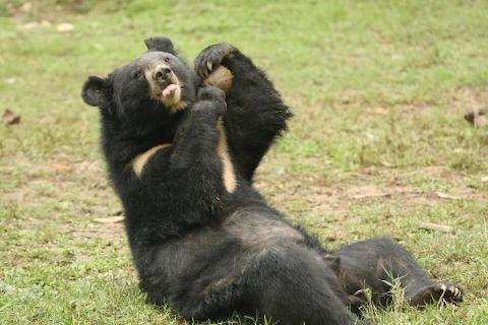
182, 146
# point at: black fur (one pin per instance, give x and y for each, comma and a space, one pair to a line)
160, 44
206, 251
377, 263
257, 114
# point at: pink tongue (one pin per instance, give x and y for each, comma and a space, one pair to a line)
169, 90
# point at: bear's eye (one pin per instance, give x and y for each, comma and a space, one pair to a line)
137, 74
166, 59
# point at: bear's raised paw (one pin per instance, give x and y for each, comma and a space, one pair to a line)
211, 58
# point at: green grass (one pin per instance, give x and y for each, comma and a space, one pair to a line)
379, 91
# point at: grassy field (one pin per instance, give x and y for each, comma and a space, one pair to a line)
378, 146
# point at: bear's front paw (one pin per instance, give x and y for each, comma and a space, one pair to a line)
211, 58
211, 93
215, 95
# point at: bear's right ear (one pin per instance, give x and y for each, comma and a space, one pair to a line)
96, 91
161, 44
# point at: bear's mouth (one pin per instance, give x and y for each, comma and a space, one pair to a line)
167, 90
171, 95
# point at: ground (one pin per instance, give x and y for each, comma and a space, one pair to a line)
378, 146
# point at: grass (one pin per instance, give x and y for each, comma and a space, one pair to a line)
378, 145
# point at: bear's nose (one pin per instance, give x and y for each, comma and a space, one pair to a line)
163, 73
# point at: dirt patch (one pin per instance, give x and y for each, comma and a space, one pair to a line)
363, 187
69, 194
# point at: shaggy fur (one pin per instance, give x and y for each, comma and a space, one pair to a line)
209, 250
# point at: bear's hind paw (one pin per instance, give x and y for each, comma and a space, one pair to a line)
439, 292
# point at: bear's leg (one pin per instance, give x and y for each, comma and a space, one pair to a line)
192, 166
218, 299
256, 113
283, 285
288, 286
376, 262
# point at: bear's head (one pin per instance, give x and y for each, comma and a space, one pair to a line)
149, 89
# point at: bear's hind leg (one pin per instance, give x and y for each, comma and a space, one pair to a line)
288, 286
373, 263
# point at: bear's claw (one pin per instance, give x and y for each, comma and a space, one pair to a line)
211, 57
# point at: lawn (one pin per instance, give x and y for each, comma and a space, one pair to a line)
379, 145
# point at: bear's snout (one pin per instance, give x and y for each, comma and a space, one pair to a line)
162, 74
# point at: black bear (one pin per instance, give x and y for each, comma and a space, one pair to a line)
181, 157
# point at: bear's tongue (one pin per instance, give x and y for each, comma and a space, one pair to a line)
169, 91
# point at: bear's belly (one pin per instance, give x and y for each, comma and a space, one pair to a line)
257, 230
209, 258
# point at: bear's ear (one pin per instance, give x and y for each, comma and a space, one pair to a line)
161, 44
96, 91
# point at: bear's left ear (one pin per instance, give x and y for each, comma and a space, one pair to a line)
161, 44
96, 91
